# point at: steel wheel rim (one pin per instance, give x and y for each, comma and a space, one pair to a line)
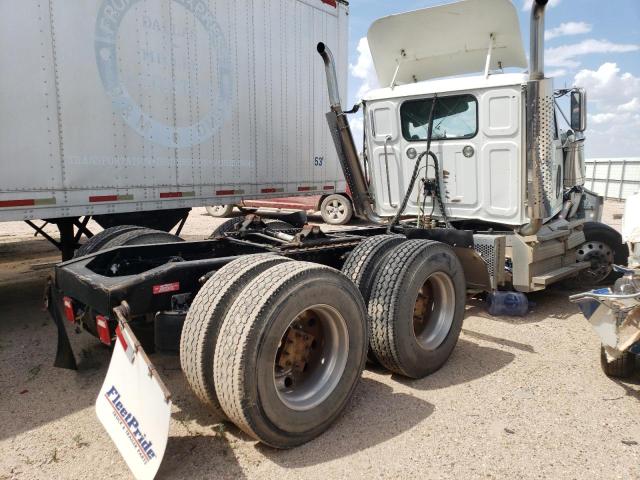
600, 255
326, 346
434, 311
336, 209
218, 208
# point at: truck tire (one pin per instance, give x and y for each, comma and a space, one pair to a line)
202, 324
230, 226
416, 307
363, 264
336, 209
290, 353
219, 211
142, 236
603, 248
96, 242
621, 367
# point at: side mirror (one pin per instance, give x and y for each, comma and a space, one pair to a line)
579, 110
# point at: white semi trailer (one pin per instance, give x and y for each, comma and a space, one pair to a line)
471, 184
118, 110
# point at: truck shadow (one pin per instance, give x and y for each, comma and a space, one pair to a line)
34, 392
468, 362
375, 414
200, 457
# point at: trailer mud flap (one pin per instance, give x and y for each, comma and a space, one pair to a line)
64, 352
134, 406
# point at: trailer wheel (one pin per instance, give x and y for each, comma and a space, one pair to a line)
621, 367
202, 324
290, 353
416, 307
96, 242
603, 248
336, 209
363, 264
142, 236
230, 226
219, 211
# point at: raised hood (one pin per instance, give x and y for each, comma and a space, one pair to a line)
447, 40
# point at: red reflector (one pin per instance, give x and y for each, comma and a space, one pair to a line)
225, 192
268, 190
332, 3
304, 189
121, 339
328, 187
68, 309
166, 288
102, 325
104, 198
17, 203
170, 194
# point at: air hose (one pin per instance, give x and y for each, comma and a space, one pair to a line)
416, 170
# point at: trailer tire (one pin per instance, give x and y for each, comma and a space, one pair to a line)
419, 279
363, 264
621, 367
281, 408
219, 211
336, 209
97, 242
142, 236
202, 324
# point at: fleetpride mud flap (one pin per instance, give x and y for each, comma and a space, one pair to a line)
134, 406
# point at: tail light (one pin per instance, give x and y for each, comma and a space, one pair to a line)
102, 325
68, 309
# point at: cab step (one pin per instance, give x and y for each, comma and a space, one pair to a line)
559, 274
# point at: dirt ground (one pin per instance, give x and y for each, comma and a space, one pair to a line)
519, 398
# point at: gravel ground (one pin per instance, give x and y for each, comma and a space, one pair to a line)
519, 398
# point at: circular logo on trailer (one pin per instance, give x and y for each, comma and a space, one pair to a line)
153, 52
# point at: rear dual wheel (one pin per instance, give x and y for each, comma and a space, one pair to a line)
416, 301
283, 354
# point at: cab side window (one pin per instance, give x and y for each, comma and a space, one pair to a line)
454, 117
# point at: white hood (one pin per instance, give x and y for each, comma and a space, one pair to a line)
447, 40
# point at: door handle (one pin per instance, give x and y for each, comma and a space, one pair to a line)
386, 164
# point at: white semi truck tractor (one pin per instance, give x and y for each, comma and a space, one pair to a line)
471, 186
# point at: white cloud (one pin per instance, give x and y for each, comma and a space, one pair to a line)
558, 72
364, 69
614, 105
564, 56
526, 5
566, 29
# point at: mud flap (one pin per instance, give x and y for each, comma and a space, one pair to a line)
134, 406
64, 353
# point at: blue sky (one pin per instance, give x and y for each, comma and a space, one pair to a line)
590, 43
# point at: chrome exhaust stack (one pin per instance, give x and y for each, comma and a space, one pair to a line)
345, 146
539, 110
536, 46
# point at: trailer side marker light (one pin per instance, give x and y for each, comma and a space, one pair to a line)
166, 288
272, 190
102, 325
177, 194
68, 309
109, 198
27, 202
229, 192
